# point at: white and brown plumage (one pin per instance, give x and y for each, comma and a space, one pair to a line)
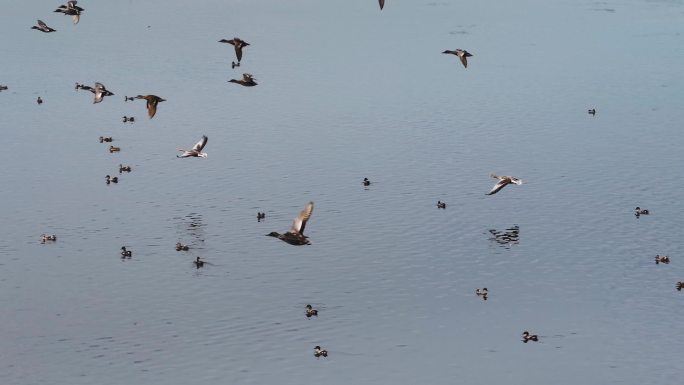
662, 259
47, 237
526, 337
462, 54
196, 150
152, 101
71, 9
295, 236
42, 27
247, 80
100, 91
318, 352
239, 44
482, 293
503, 182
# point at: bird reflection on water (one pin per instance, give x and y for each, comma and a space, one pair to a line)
507, 237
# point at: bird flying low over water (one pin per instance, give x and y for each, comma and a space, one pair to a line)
295, 236
462, 54
42, 27
152, 101
71, 9
196, 150
100, 91
503, 181
239, 44
247, 80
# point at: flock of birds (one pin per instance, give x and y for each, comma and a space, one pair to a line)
295, 235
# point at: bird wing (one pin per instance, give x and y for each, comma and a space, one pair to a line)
382, 3
499, 185
516, 180
248, 77
200, 145
464, 61
151, 106
238, 51
42, 24
299, 223
75, 18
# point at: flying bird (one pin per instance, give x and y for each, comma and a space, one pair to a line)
100, 91
462, 54
71, 9
295, 236
196, 150
239, 44
152, 101
503, 181
247, 80
382, 3
42, 27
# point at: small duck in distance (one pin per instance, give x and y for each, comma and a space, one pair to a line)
679, 286
311, 312
260, 216
39, 100
128, 98
110, 179
125, 253
128, 119
381, 3
592, 112
196, 150
366, 182
47, 238
639, 211
295, 236
503, 182
526, 337
123, 168
72, 10
181, 247
462, 54
2, 88
114, 149
239, 44
482, 293
318, 352
42, 27
152, 101
247, 80
198, 263
441, 205
106, 139
662, 259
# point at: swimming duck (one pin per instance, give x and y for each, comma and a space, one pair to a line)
662, 259
2, 88
72, 10
382, 3
441, 205
260, 216
639, 211
366, 182
106, 139
39, 100
295, 236
198, 263
109, 179
482, 293
45, 238
125, 253
239, 44
181, 247
42, 27
592, 111
318, 352
196, 150
310, 311
114, 149
247, 80
503, 181
462, 54
127, 119
152, 101
679, 286
526, 337
123, 168
127, 98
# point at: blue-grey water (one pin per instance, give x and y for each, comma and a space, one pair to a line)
346, 91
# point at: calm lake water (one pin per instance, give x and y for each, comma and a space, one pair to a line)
346, 91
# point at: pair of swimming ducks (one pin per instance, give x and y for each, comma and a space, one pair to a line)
662, 259
47, 238
527, 337
110, 179
638, 211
